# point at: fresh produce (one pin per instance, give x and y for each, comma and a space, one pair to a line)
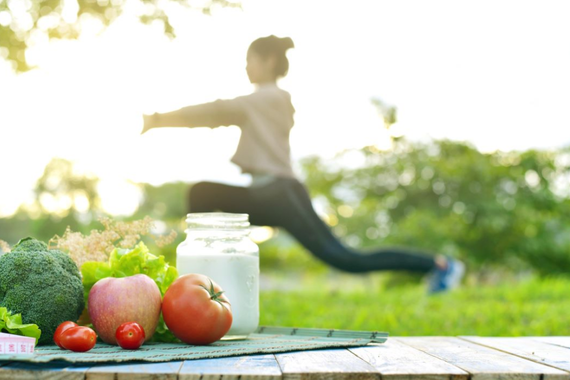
61, 328
98, 245
196, 310
130, 335
12, 324
42, 285
114, 301
128, 262
78, 338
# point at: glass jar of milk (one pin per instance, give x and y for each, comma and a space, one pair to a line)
218, 245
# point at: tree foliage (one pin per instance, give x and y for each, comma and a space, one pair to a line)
62, 189
24, 21
62, 196
504, 208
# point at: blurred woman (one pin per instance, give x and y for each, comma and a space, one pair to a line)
275, 196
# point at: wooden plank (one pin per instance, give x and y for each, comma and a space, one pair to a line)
395, 360
256, 367
528, 348
563, 341
483, 363
335, 364
135, 371
48, 371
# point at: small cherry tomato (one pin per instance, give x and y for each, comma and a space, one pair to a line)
78, 338
61, 328
130, 335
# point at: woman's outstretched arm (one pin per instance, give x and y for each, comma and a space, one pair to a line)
214, 114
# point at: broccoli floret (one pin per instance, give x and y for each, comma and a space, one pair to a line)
43, 285
30, 244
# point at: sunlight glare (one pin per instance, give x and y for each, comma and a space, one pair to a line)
119, 197
261, 234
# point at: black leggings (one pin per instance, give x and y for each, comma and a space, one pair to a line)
285, 203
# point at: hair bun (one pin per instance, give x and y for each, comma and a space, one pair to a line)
286, 43
273, 46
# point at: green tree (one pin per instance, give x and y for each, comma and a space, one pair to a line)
23, 20
167, 202
63, 196
63, 189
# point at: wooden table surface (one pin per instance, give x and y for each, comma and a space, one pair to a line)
539, 358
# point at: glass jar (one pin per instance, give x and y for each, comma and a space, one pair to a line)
218, 245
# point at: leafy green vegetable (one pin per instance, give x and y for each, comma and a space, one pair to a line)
42, 285
128, 262
12, 323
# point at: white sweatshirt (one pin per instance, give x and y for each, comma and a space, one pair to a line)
265, 118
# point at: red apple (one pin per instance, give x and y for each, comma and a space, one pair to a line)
114, 301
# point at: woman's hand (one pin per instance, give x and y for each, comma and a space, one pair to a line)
148, 123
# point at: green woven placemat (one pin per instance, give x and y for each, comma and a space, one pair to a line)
265, 340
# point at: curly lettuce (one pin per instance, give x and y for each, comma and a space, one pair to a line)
128, 262
12, 324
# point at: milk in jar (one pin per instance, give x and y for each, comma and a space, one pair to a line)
218, 246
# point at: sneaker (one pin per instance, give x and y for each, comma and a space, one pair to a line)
442, 280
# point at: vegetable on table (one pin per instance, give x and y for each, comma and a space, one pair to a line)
42, 285
129, 262
78, 338
61, 328
130, 335
196, 310
12, 324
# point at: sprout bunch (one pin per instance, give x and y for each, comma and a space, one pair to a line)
99, 244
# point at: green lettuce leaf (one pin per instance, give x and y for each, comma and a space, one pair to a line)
128, 262
12, 324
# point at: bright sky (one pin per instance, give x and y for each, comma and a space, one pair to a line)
491, 72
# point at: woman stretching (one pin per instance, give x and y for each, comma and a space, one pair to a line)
275, 196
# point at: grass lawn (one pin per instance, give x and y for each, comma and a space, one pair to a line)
512, 308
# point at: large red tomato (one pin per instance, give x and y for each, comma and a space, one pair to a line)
195, 309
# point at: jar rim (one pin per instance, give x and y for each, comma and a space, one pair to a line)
217, 220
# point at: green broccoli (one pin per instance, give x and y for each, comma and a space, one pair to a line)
43, 285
